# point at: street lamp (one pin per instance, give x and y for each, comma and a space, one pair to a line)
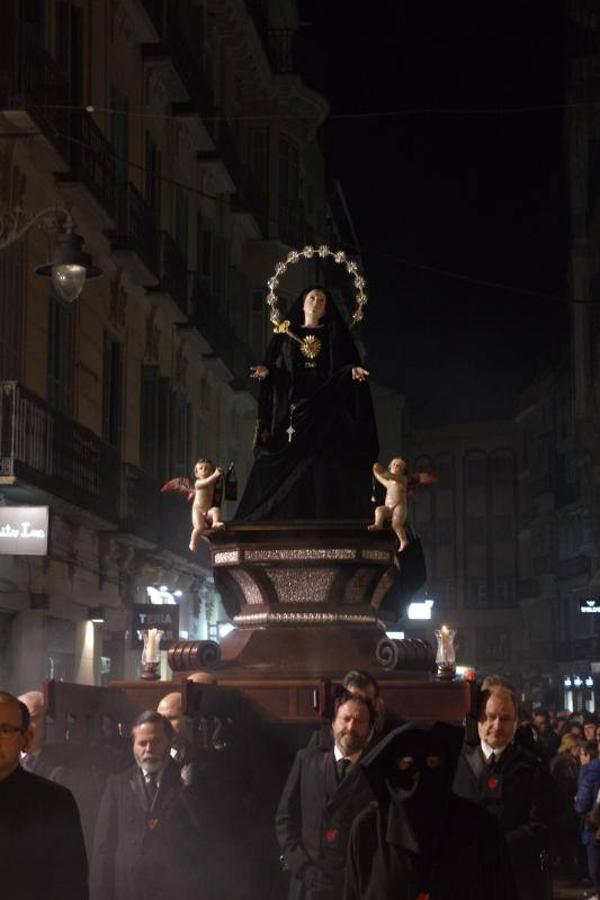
71, 266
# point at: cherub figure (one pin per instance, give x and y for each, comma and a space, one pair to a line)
399, 486
206, 507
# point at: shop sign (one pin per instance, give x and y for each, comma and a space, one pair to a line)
24, 530
590, 607
154, 615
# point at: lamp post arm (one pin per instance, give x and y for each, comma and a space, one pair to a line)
14, 224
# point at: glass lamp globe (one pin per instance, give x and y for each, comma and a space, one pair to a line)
68, 280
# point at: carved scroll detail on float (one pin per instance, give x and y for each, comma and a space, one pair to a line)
187, 656
410, 653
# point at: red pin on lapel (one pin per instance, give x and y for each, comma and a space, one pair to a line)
152, 823
331, 835
492, 783
424, 895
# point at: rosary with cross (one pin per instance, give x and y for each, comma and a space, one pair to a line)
290, 430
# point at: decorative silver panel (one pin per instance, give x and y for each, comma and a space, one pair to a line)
287, 555
301, 585
377, 555
225, 557
249, 587
305, 618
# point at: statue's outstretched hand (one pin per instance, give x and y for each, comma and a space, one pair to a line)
259, 372
360, 374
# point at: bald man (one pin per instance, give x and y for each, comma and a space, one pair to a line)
43, 853
171, 707
40, 758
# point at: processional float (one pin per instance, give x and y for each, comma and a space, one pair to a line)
312, 599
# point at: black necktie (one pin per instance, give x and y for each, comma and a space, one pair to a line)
342, 766
491, 761
151, 788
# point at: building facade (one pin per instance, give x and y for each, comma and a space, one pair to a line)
467, 523
184, 146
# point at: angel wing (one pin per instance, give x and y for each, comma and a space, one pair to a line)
179, 486
416, 479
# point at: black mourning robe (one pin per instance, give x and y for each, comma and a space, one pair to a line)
324, 472
384, 859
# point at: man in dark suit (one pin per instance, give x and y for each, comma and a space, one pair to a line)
324, 792
42, 854
149, 842
512, 784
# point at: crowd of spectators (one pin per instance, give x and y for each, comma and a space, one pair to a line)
370, 808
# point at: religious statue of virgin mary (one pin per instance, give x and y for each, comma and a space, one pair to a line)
316, 438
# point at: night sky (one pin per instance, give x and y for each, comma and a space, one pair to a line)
480, 194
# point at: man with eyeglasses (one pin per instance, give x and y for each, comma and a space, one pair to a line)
42, 851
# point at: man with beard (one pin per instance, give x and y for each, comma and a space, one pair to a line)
148, 843
324, 792
419, 840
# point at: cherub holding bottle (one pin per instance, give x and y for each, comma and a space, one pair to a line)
399, 486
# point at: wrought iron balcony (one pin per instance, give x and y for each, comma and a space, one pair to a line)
219, 332
136, 228
31, 80
42, 448
173, 271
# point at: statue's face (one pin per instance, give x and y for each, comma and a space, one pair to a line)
397, 466
314, 305
203, 469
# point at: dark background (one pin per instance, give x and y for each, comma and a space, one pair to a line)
481, 194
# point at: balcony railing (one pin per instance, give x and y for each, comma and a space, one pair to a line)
30, 79
43, 448
92, 160
136, 227
219, 333
174, 271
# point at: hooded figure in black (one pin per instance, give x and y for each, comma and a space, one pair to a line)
420, 841
316, 438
